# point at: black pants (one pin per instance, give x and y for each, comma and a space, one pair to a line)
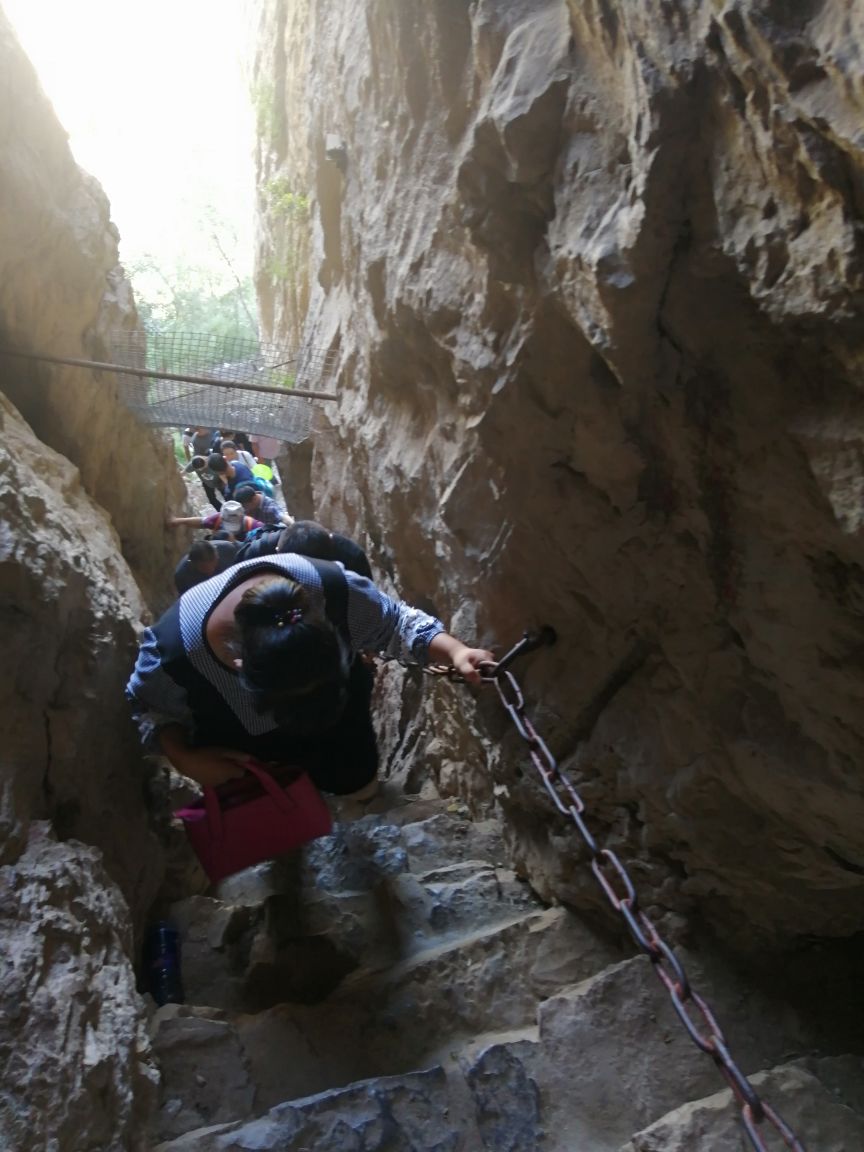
211, 495
345, 758
342, 759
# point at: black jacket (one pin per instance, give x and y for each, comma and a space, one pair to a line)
342, 548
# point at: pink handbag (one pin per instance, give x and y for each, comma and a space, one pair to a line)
252, 819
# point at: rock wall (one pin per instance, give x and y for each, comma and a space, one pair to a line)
84, 489
282, 163
83, 495
62, 293
77, 1070
71, 611
594, 273
75, 1060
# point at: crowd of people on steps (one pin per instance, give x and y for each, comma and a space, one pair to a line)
265, 653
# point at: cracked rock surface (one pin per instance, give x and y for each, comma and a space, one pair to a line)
593, 273
466, 1016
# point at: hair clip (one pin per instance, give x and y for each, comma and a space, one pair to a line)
293, 617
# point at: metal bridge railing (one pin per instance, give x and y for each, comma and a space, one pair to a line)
210, 381
223, 382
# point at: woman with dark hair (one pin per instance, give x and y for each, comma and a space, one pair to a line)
264, 661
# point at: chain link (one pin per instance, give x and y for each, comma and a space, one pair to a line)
693, 1011
616, 884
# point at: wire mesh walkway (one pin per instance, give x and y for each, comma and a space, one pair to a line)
266, 388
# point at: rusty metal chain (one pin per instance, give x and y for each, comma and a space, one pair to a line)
615, 882
693, 1011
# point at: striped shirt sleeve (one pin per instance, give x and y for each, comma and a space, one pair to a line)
378, 623
156, 699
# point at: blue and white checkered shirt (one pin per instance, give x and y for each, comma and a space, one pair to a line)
376, 623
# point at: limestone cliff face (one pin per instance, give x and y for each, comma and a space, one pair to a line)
77, 1069
83, 489
71, 612
594, 273
283, 167
73, 1051
83, 492
61, 293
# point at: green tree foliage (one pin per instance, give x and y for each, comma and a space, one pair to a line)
191, 299
269, 111
284, 203
199, 290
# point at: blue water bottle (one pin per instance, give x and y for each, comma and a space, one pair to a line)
162, 961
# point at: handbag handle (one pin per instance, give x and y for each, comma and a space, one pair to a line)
278, 795
214, 812
214, 809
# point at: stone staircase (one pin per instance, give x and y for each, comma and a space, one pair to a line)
399, 988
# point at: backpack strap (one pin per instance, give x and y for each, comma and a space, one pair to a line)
335, 594
204, 700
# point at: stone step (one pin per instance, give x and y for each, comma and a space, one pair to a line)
805, 1095
289, 931
298, 948
396, 987
499, 1105
610, 1056
446, 839
376, 1023
492, 977
506, 1100
204, 1076
448, 901
395, 1114
358, 852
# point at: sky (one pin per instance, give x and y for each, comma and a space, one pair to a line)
156, 108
